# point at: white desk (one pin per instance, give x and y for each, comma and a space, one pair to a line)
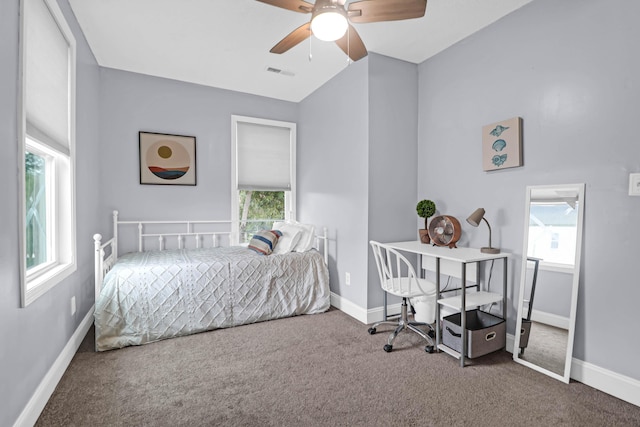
463, 256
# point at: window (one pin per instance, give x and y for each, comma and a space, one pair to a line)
553, 233
47, 147
38, 167
263, 174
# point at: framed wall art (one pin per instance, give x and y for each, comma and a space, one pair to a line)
167, 159
502, 145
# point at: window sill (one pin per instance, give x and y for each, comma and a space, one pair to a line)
38, 286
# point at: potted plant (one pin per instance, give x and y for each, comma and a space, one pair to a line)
425, 209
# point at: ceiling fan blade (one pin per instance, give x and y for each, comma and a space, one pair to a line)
385, 10
352, 44
296, 36
295, 5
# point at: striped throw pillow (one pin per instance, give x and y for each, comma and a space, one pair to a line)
264, 241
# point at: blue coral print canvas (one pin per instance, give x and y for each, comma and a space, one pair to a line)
502, 145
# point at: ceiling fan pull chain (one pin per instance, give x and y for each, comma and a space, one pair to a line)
349, 45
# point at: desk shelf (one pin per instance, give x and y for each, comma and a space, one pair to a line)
449, 351
472, 300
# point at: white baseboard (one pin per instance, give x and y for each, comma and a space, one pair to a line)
620, 386
550, 319
361, 314
45, 389
349, 308
509, 344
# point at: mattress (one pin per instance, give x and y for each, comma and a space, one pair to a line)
150, 296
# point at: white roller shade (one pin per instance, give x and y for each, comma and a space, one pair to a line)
263, 157
46, 74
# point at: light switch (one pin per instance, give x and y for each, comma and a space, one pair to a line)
634, 184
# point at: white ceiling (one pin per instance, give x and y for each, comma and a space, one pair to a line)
225, 43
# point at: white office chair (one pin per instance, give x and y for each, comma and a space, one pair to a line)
397, 277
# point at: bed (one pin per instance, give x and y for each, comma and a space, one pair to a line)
184, 286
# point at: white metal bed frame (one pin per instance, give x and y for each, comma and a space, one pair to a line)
103, 264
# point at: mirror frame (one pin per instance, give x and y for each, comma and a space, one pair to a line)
574, 287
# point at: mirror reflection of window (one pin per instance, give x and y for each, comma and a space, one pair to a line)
553, 233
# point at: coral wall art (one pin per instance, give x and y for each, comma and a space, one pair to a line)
502, 145
167, 159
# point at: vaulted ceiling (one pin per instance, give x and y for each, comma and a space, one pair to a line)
225, 43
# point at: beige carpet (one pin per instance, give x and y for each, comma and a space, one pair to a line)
315, 370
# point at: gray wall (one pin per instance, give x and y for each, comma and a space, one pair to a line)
33, 337
357, 170
393, 166
332, 173
553, 292
133, 102
571, 70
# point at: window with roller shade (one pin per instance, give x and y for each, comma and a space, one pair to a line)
47, 147
263, 174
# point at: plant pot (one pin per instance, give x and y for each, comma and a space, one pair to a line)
424, 235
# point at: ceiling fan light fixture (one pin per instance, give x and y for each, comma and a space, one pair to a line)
329, 24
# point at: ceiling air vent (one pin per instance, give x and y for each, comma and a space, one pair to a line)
279, 71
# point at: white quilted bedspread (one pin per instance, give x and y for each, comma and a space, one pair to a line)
149, 296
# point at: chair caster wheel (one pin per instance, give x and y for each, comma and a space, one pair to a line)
429, 349
372, 331
388, 348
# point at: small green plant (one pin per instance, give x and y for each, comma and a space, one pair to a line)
425, 209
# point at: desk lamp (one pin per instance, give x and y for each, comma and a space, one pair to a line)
474, 219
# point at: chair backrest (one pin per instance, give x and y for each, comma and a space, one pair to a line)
397, 275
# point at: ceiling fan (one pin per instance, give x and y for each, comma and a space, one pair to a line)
331, 21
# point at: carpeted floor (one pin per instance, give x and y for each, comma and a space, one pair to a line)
547, 347
314, 370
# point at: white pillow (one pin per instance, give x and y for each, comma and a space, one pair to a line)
279, 224
307, 239
307, 235
290, 236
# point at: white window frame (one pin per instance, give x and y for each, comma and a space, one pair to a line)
61, 183
289, 196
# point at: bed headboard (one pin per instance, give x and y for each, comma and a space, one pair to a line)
183, 234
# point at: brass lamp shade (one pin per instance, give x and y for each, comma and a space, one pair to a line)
474, 219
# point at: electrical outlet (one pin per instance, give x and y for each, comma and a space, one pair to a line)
347, 278
73, 305
634, 184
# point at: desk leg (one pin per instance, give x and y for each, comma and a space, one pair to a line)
463, 314
438, 337
504, 291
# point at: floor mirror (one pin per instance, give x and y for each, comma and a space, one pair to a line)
550, 276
